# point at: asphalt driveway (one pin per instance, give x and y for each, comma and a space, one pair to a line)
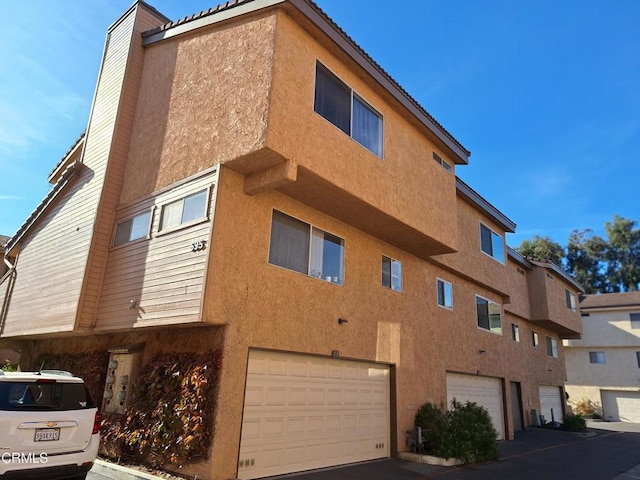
610, 450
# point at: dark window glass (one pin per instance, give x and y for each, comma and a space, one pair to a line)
333, 99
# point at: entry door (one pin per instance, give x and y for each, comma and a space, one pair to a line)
516, 406
303, 412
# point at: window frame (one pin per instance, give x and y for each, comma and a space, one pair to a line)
444, 283
392, 262
634, 320
552, 346
515, 332
596, 356
571, 300
493, 234
353, 97
535, 340
489, 303
195, 221
311, 228
131, 219
638, 358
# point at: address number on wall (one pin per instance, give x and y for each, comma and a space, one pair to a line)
199, 245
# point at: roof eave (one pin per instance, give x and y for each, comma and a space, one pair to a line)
476, 199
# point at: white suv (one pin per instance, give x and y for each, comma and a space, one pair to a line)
49, 426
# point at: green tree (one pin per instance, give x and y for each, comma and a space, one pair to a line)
543, 248
623, 254
585, 261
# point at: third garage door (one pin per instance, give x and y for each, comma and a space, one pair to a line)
303, 412
484, 391
621, 406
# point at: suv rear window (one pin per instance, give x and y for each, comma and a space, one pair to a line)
44, 395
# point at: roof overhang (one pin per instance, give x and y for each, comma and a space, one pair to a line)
481, 203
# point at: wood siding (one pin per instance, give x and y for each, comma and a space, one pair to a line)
161, 275
60, 259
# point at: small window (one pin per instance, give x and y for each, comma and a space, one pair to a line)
520, 271
571, 301
298, 246
132, 229
391, 274
638, 358
489, 315
338, 104
184, 211
445, 293
552, 347
597, 357
534, 339
515, 332
491, 243
549, 276
442, 162
634, 319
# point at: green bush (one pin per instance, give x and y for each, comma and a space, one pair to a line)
574, 423
465, 432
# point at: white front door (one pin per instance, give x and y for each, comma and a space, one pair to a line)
303, 412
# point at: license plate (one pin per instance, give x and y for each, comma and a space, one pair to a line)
47, 434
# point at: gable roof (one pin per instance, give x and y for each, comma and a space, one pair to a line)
614, 300
320, 19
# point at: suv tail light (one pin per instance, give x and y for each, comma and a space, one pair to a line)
97, 421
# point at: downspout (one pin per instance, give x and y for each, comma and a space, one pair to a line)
9, 275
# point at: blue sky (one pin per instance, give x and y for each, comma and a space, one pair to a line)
545, 94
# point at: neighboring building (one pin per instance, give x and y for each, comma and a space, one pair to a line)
604, 366
252, 181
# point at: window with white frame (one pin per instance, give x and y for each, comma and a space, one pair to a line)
515, 332
534, 339
491, 243
184, 211
445, 293
391, 274
489, 315
340, 105
571, 301
597, 357
442, 162
132, 229
552, 347
299, 246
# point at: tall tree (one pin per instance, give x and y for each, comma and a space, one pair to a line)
623, 254
585, 261
543, 248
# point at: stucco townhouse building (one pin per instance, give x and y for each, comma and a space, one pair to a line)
252, 182
603, 367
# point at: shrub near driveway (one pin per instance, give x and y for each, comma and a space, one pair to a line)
464, 432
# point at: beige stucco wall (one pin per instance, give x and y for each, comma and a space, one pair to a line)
203, 101
266, 306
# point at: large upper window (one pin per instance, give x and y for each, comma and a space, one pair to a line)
552, 347
445, 294
391, 274
571, 300
132, 229
298, 246
491, 243
489, 315
336, 102
185, 210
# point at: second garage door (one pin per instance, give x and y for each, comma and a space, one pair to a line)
484, 391
621, 406
303, 412
551, 399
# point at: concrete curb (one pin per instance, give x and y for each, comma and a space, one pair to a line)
633, 474
118, 472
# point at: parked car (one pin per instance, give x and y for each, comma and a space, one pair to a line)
49, 426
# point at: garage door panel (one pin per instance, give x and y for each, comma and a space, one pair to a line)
621, 406
324, 410
484, 391
551, 398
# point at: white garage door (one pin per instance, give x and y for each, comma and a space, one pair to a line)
620, 406
303, 412
484, 391
551, 398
